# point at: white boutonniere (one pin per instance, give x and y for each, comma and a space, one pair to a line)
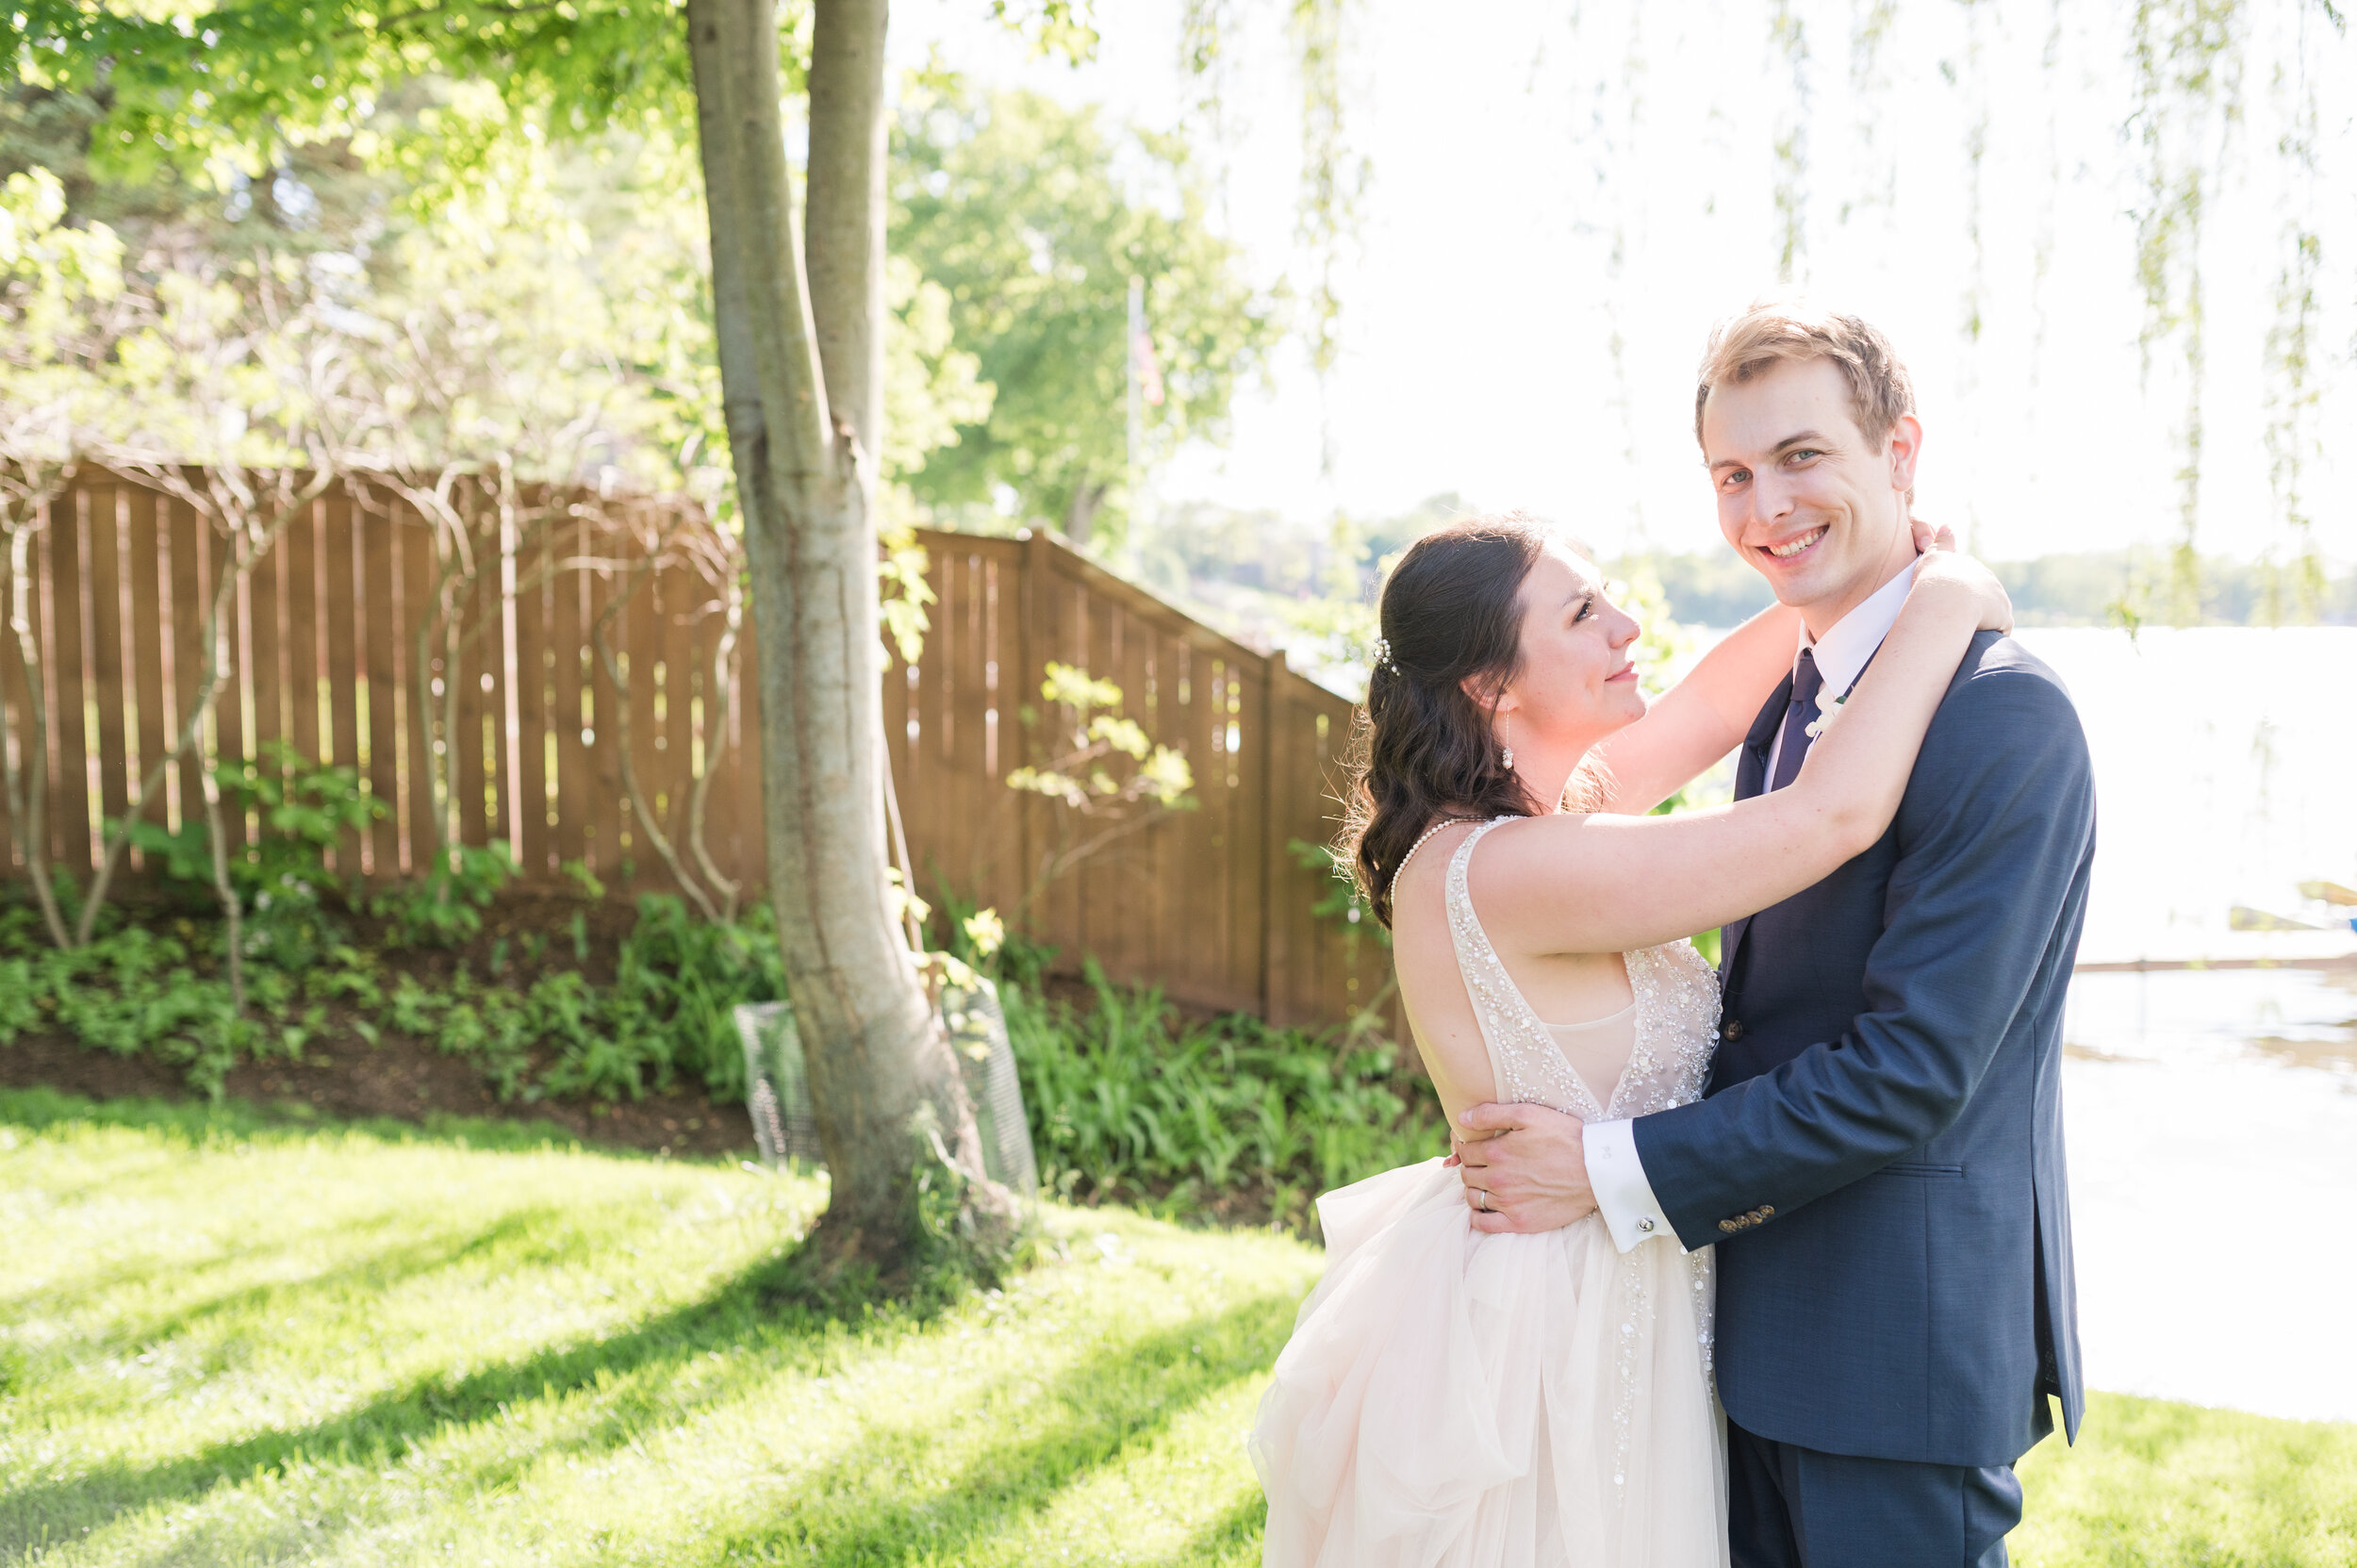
1828, 709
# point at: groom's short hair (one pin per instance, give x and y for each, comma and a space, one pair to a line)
1778, 329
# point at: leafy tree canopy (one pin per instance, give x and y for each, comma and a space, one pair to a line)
1021, 209
230, 85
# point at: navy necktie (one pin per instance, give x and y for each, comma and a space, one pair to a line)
1806, 683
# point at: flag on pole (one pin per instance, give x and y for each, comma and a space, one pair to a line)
1149, 369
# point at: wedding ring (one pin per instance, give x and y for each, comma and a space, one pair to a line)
1482, 1202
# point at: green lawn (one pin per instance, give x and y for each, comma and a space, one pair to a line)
223, 1342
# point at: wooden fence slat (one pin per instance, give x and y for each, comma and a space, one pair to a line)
298, 548
638, 629
610, 824
1054, 907
568, 638
974, 805
532, 707
1198, 891
191, 584
413, 551
699, 722
69, 794
379, 647
464, 740
262, 636
340, 605
1105, 929
109, 684
490, 689
477, 646
143, 568
676, 600
1247, 837
1142, 857
234, 705
999, 658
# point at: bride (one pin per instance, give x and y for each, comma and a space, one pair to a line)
1508, 1400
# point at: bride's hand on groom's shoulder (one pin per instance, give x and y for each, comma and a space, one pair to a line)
1523, 1167
1942, 565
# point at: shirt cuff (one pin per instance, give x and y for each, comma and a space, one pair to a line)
1617, 1177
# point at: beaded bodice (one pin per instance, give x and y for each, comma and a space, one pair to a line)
1677, 1019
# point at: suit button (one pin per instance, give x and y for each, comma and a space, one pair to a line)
1728, 1226
1734, 1030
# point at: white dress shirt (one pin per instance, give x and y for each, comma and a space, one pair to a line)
1615, 1174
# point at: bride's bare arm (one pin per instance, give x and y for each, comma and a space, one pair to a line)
1695, 722
1536, 881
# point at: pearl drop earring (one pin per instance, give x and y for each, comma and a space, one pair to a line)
1506, 758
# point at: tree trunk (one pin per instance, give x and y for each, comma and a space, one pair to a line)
801, 378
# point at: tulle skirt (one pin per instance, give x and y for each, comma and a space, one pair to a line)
1450, 1397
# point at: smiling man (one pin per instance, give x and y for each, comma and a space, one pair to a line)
1814, 481
1878, 1158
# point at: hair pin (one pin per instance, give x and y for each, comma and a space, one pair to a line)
1383, 656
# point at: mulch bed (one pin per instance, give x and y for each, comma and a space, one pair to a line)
397, 1077
341, 1076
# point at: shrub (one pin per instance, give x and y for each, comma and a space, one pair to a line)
130, 991
445, 906
670, 1009
1231, 1116
282, 882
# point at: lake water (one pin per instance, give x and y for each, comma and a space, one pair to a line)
2211, 1116
2226, 773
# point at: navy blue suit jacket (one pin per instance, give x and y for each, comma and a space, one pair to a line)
1879, 1156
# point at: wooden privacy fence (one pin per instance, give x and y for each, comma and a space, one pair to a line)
1209, 903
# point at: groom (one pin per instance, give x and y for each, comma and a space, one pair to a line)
1879, 1156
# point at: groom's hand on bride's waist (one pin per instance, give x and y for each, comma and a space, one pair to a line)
1524, 1168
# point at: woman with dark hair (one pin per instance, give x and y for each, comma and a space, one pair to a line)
1456, 1398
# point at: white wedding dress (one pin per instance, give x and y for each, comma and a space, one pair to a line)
1505, 1401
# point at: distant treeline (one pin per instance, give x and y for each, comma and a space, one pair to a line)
1717, 589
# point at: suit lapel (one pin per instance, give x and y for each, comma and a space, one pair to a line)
1751, 775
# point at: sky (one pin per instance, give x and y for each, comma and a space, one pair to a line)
1546, 180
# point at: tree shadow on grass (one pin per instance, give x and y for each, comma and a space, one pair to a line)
869, 1507
1109, 1399
1234, 1535
535, 1231
387, 1427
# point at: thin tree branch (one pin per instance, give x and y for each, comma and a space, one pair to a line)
633, 580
